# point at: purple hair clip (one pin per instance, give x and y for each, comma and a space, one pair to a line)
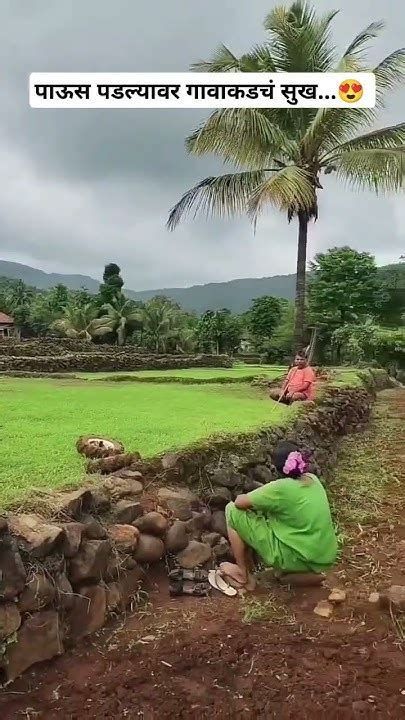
294, 463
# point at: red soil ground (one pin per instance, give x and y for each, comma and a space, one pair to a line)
196, 658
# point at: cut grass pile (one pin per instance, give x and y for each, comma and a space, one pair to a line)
41, 420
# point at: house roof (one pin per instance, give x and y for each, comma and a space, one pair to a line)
6, 319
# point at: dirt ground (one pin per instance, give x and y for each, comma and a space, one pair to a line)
266, 656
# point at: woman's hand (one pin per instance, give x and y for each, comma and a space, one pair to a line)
243, 502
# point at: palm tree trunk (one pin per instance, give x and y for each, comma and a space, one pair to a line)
299, 326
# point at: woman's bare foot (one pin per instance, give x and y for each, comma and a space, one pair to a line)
234, 572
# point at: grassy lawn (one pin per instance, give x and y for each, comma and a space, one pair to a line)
41, 420
238, 371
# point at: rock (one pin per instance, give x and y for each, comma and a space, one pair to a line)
128, 474
251, 485
150, 549
219, 498
177, 537
324, 609
37, 594
10, 619
93, 529
12, 571
119, 488
374, 598
218, 523
38, 639
64, 592
171, 462
124, 537
179, 508
198, 523
96, 447
211, 538
72, 538
153, 523
126, 511
109, 465
166, 493
395, 596
226, 477
117, 564
113, 598
337, 596
91, 561
88, 613
3, 526
298, 579
262, 474
72, 504
34, 534
196, 553
129, 585
100, 500
222, 550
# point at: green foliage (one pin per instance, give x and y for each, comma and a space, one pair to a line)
77, 322
165, 327
344, 285
112, 285
280, 154
368, 342
219, 331
118, 319
262, 319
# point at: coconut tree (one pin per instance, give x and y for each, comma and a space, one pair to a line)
279, 155
78, 322
119, 318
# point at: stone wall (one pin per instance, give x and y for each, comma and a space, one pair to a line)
65, 571
107, 362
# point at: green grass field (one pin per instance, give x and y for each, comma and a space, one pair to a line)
41, 420
238, 371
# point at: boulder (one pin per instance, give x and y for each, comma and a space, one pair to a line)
129, 474
109, 465
219, 498
119, 488
93, 529
226, 477
37, 594
72, 538
91, 561
88, 613
196, 553
395, 596
124, 537
179, 508
3, 526
262, 474
92, 446
126, 511
12, 571
210, 538
100, 500
153, 523
198, 523
167, 493
72, 504
218, 523
129, 584
222, 551
177, 537
34, 534
251, 484
10, 619
150, 549
38, 639
64, 592
172, 463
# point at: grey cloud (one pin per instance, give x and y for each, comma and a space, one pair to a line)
84, 187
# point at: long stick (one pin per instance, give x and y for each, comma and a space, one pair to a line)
286, 387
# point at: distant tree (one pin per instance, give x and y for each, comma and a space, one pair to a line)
219, 331
263, 318
111, 287
78, 322
281, 341
82, 297
344, 285
18, 302
118, 320
166, 327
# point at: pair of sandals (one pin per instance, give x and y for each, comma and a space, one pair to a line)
198, 583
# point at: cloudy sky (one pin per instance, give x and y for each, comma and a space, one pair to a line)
83, 187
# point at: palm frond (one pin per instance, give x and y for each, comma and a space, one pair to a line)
383, 138
259, 59
290, 190
221, 134
389, 74
225, 195
353, 57
223, 60
379, 169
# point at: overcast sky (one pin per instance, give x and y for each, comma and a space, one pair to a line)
83, 187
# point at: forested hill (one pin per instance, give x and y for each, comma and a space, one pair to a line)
235, 294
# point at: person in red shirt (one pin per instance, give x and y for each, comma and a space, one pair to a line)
299, 385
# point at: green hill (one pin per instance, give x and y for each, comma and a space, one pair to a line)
235, 294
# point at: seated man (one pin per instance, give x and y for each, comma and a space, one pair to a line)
299, 384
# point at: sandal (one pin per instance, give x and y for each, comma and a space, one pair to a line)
179, 588
218, 582
197, 575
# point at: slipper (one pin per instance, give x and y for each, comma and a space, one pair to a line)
197, 575
216, 581
177, 589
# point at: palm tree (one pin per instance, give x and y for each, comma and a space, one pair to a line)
120, 316
78, 322
280, 154
165, 327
